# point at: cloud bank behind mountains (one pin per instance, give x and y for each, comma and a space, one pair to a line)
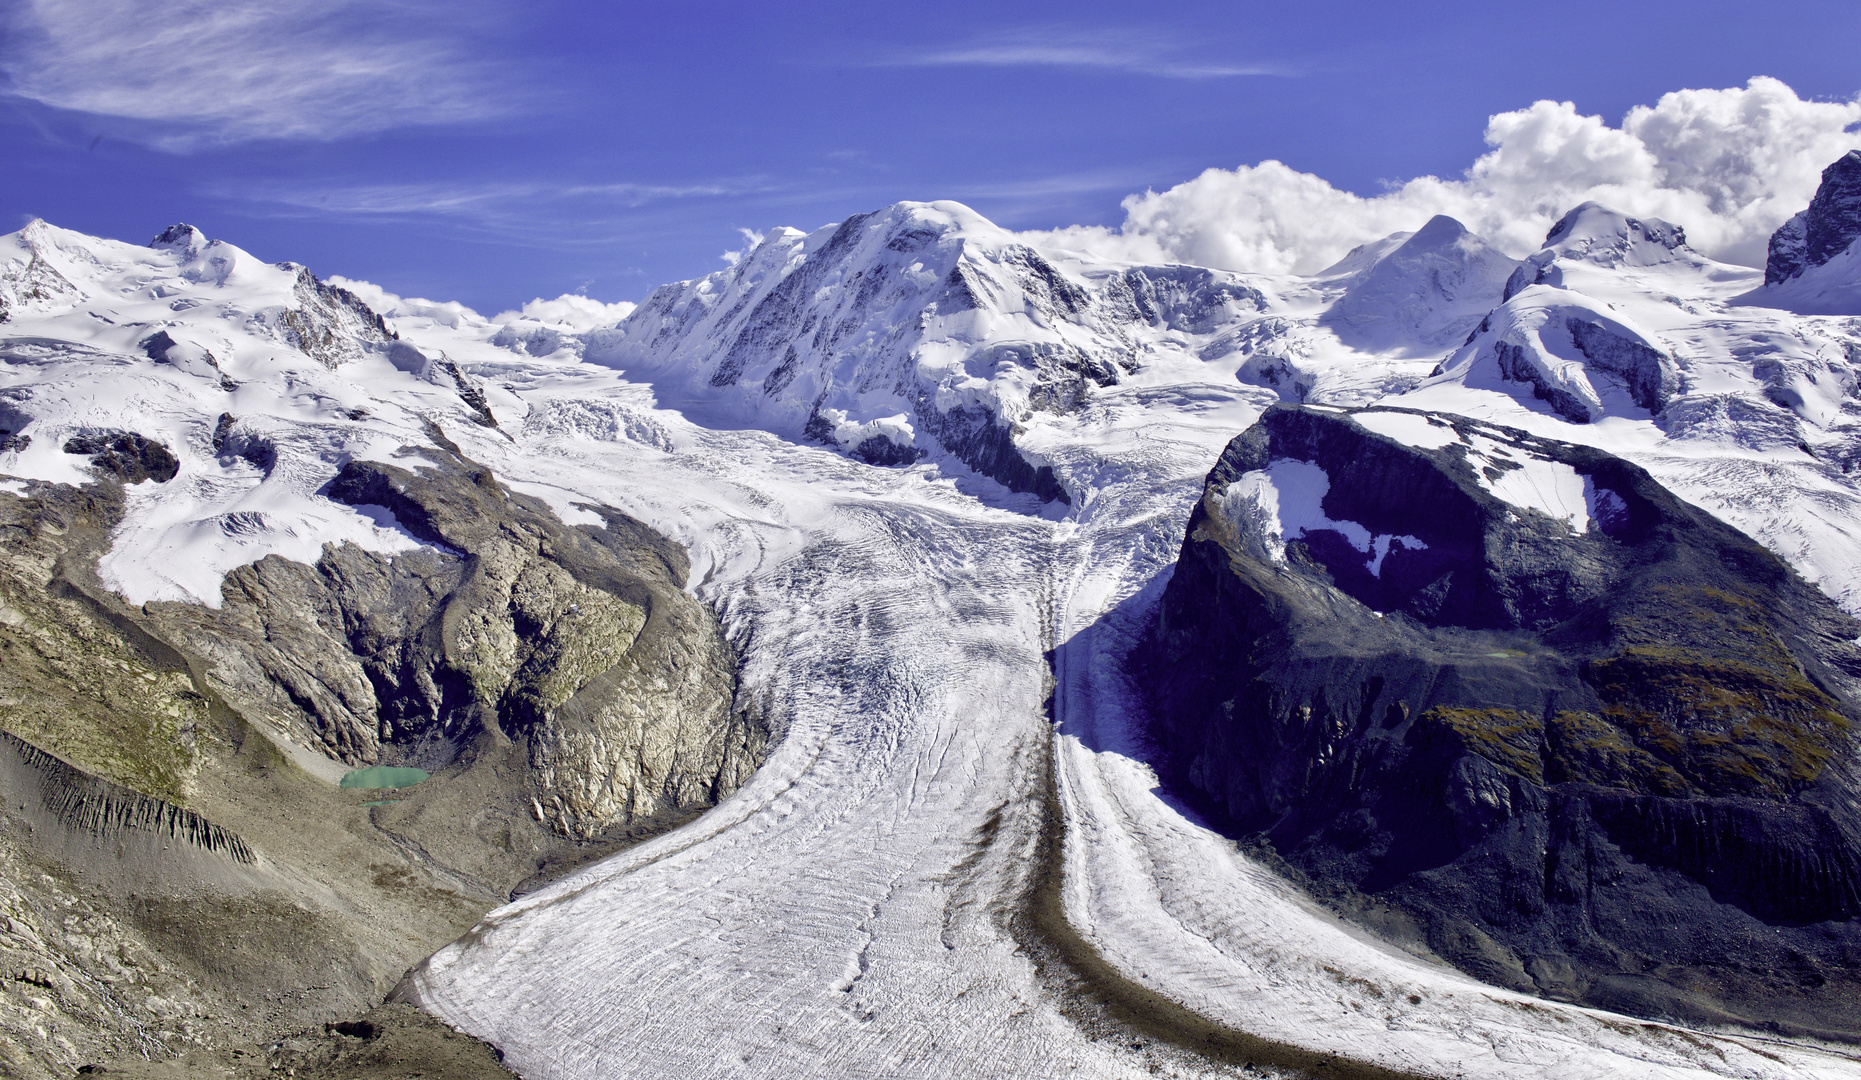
1728, 166
572, 310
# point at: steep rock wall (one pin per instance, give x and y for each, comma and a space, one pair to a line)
1607, 756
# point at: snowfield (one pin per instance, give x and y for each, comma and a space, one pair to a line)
941, 654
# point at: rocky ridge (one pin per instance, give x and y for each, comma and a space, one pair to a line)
1601, 748
183, 873
1827, 228
579, 643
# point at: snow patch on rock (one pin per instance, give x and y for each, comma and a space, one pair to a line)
1285, 501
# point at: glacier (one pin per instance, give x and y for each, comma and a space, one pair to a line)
933, 477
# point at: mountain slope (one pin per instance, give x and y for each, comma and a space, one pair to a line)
1595, 742
920, 853
912, 330
242, 561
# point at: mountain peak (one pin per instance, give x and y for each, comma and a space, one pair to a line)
180, 236
1826, 229
1596, 233
1428, 290
1439, 231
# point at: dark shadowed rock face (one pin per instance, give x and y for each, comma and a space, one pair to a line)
1612, 762
1823, 231
125, 454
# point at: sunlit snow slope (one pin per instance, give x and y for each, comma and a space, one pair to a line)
938, 639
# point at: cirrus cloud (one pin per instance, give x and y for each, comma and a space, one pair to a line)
199, 72
1129, 51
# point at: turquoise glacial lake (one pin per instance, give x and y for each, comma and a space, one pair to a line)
384, 776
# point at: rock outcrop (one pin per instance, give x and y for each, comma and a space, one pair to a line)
173, 881
578, 643
130, 456
1826, 229
1511, 699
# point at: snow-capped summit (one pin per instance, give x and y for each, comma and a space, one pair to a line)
1597, 234
180, 235
1594, 236
920, 328
1428, 291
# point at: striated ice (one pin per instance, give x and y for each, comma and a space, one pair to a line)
940, 657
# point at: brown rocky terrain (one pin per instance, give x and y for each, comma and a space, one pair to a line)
179, 873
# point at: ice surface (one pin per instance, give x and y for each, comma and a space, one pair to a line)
854, 909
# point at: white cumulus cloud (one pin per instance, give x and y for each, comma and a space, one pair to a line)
1728, 166
751, 241
571, 310
209, 71
389, 305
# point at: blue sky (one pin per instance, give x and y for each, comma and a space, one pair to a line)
492, 152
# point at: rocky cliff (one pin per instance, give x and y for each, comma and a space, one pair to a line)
314, 579
563, 690
1825, 229
1510, 700
577, 643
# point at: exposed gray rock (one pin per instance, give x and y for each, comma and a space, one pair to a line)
578, 643
170, 882
1187, 298
180, 236
36, 283
1615, 765
92, 805
127, 455
1826, 229
1786, 257
1648, 372
330, 324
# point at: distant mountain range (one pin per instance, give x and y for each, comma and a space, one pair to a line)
1515, 619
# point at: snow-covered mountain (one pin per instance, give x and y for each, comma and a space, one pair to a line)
925, 469
1425, 293
918, 329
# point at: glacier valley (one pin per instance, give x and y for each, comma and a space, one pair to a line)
933, 481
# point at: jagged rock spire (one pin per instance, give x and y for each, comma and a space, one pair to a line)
1825, 229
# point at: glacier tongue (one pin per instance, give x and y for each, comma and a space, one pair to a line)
861, 906
866, 904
